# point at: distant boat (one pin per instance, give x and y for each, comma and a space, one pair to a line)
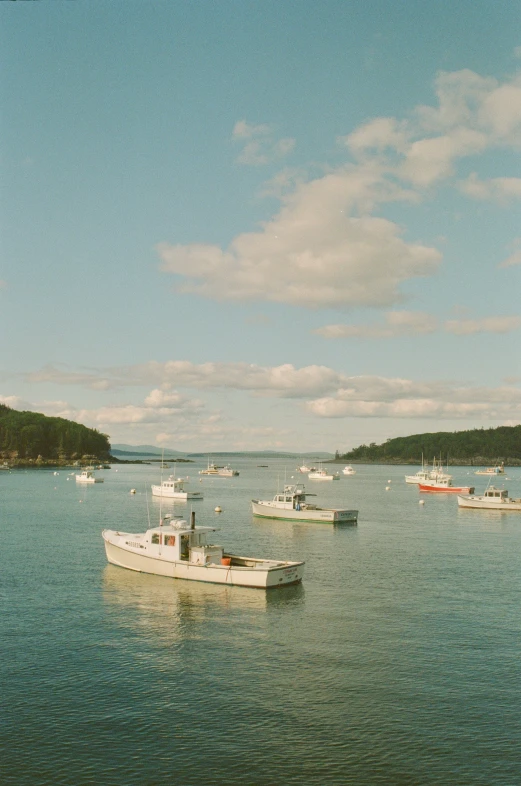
305, 470
349, 470
181, 550
292, 505
88, 476
220, 472
322, 474
499, 469
174, 488
5, 466
425, 475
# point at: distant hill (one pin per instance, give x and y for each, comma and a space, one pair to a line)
151, 451
33, 438
474, 447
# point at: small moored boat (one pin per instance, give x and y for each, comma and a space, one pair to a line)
349, 470
492, 499
181, 550
444, 484
220, 472
88, 476
499, 469
174, 488
425, 475
323, 474
292, 505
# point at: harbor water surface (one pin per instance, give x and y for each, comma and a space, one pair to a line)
395, 662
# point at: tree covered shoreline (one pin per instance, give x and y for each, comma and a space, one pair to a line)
33, 439
476, 447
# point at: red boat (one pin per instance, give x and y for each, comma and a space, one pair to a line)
445, 485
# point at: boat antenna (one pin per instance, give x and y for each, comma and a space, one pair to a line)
148, 509
161, 495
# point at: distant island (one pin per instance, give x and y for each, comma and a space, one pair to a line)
33, 439
476, 447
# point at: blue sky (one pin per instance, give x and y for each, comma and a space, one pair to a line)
253, 225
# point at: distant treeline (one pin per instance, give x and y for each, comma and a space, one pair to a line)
477, 446
33, 436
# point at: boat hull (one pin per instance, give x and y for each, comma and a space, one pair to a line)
265, 574
317, 515
488, 504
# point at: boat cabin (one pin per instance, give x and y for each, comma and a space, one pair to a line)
291, 498
493, 493
175, 540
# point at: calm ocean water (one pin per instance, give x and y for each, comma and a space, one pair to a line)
395, 662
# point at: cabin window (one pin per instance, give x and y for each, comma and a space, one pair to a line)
169, 540
155, 538
185, 546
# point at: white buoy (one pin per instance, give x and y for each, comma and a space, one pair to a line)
389, 481
387, 488
218, 509
132, 491
421, 502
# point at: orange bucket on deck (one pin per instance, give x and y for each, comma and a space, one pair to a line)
226, 561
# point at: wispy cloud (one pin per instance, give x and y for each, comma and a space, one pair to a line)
396, 324
498, 189
515, 256
468, 327
323, 392
259, 145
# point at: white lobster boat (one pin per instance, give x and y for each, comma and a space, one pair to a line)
291, 505
492, 499
219, 472
180, 550
174, 488
425, 475
323, 474
349, 470
88, 476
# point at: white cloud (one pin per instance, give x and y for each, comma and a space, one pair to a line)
467, 327
259, 144
396, 323
314, 253
431, 159
377, 135
326, 247
499, 189
374, 397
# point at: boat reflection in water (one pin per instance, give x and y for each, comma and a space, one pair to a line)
168, 608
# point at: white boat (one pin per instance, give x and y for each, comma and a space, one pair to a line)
88, 476
304, 469
322, 474
181, 550
292, 505
492, 499
425, 475
220, 472
174, 488
5, 466
499, 469
349, 470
